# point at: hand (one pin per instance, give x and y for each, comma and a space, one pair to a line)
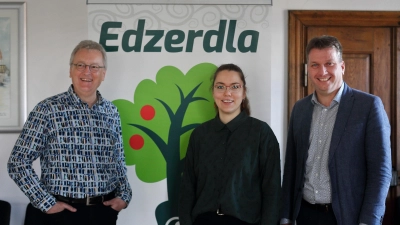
60, 206
116, 203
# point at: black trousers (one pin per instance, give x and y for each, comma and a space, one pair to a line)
212, 218
312, 215
85, 215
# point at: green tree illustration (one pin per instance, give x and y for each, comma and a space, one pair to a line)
157, 125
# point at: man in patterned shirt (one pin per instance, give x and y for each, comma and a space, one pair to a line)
77, 136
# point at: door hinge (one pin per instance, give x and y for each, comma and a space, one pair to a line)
395, 178
305, 75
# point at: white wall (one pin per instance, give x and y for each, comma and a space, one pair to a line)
54, 27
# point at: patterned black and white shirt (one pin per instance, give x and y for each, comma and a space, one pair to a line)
80, 149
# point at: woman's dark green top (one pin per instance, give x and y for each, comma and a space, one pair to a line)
233, 168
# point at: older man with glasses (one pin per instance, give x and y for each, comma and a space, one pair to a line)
77, 136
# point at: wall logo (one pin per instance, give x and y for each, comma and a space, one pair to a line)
157, 125
179, 41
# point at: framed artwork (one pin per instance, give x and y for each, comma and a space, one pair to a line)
184, 2
12, 66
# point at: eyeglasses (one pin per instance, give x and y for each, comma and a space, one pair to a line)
92, 67
234, 88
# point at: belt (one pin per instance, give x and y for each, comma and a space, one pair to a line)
319, 207
216, 217
96, 200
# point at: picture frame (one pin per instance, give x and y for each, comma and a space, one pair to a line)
184, 2
12, 66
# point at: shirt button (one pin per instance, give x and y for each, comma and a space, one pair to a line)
316, 192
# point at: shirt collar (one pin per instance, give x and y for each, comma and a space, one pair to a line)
231, 125
337, 97
76, 98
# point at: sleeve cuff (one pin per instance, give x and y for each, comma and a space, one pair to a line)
45, 204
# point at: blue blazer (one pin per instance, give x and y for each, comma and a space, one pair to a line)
359, 158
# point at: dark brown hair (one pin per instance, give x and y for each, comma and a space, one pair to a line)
325, 41
245, 105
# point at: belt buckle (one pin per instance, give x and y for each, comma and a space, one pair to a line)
88, 200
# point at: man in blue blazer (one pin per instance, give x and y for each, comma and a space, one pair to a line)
338, 157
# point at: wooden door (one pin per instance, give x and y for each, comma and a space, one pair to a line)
371, 50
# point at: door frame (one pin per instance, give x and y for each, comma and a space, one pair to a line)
300, 20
